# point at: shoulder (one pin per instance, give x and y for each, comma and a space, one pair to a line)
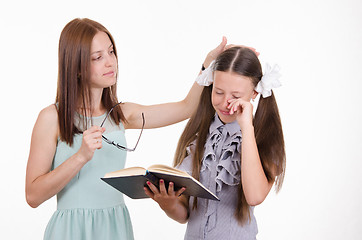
129, 109
49, 114
48, 120
131, 112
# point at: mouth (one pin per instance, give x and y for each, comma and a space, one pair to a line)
109, 74
225, 112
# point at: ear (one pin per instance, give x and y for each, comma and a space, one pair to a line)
255, 93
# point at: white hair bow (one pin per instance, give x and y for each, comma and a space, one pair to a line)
206, 78
269, 80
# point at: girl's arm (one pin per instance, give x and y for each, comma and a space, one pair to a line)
41, 182
254, 181
168, 113
172, 203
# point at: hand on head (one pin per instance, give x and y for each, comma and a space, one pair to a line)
243, 46
212, 55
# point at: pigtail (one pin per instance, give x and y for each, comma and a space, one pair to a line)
270, 140
197, 127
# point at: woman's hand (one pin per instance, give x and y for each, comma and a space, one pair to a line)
212, 55
243, 111
92, 140
167, 199
243, 46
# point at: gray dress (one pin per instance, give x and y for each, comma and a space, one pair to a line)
220, 172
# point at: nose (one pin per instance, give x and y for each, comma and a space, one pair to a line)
225, 102
110, 60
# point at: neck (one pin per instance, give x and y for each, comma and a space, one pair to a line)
95, 108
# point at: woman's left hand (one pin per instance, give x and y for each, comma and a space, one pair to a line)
243, 111
212, 55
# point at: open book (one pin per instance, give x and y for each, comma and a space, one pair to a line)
131, 181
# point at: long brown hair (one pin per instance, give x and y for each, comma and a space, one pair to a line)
267, 126
74, 74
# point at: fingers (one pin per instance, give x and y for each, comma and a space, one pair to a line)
148, 192
162, 187
222, 45
153, 190
243, 46
240, 106
179, 192
92, 137
230, 46
235, 105
171, 190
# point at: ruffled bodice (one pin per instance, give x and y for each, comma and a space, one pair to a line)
223, 145
220, 172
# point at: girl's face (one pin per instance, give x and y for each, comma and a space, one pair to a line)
103, 62
226, 86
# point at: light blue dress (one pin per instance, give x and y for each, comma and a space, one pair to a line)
88, 208
220, 172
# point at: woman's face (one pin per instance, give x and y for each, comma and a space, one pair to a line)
228, 86
103, 62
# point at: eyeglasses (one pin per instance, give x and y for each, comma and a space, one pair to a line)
116, 144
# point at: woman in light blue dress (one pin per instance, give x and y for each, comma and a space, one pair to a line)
237, 156
81, 137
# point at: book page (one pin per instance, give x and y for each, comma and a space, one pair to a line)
167, 169
132, 171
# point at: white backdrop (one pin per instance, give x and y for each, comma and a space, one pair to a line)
161, 45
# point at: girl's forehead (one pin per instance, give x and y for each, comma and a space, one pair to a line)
232, 81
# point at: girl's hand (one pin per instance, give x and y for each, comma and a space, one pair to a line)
212, 55
243, 111
166, 199
92, 140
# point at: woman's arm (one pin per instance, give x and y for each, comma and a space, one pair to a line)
41, 182
172, 203
168, 113
254, 181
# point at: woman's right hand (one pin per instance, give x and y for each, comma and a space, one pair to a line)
92, 140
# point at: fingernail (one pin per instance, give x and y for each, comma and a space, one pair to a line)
148, 183
161, 181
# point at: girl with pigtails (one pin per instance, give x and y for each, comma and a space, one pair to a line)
236, 155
